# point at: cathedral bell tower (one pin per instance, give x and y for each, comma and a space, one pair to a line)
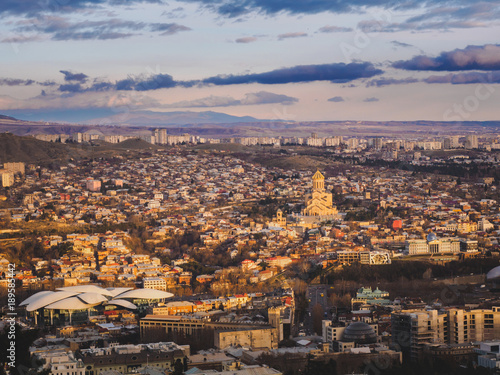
318, 181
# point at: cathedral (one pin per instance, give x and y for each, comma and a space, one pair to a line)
318, 201
318, 208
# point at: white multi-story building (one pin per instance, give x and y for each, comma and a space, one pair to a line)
411, 329
471, 142
61, 363
485, 225
7, 177
154, 283
15, 167
352, 143
414, 247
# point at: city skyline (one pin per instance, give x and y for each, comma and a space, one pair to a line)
270, 60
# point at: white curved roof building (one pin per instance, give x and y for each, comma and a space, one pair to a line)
39, 300
123, 303
145, 294
83, 297
71, 303
87, 289
115, 291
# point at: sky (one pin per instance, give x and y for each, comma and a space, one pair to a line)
292, 60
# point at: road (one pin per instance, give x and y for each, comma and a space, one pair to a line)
316, 295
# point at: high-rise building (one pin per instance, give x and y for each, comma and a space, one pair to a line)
451, 142
160, 136
378, 143
412, 329
6, 177
471, 142
15, 167
352, 143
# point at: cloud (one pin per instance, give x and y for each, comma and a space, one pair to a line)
236, 8
264, 97
16, 82
371, 100
336, 72
60, 28
24, 82
22, 39
71, 87
401, 44
485, 57
336, 99
291, 35
480, 11
90, 35
29, 7
441, 10
466, 78
231, 9
69, 76
169, 28
385, 81
374, 26
155, 82
117, 101
257, 98
246, 39
334, 29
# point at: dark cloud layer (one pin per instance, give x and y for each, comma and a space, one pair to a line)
485, 57
69, 76
337, 72
24, 82
32, 7
16, 82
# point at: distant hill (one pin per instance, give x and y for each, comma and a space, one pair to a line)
30, 150
3, 117
134, 144
150, 118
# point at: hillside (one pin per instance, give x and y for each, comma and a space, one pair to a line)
8, 118
28, 149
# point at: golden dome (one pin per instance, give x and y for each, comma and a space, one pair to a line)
318, 176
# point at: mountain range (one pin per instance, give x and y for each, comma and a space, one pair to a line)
128, 118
